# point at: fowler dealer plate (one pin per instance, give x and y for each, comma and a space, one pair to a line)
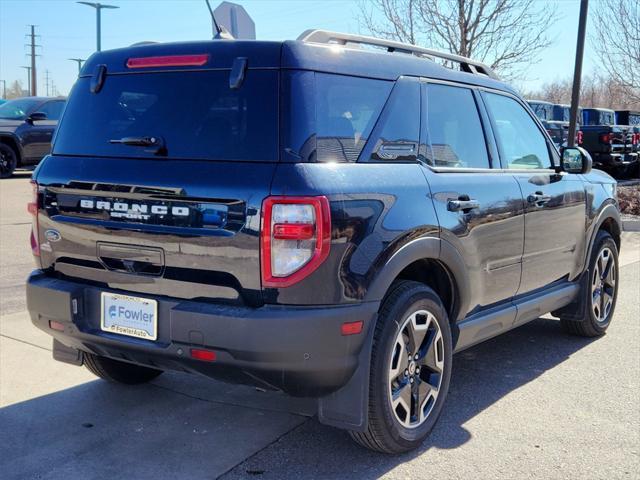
131, 316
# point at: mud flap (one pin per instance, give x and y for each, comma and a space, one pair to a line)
65, 354
348, 408
576, 311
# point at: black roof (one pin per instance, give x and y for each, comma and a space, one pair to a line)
292, 54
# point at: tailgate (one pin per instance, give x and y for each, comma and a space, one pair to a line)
186, 229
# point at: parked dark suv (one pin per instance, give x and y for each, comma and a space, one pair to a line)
330, 221
27, 126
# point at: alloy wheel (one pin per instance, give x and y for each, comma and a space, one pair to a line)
603, 285
416, 369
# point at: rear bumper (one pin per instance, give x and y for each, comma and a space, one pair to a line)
296, 349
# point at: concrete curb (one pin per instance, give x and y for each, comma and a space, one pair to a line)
631, 225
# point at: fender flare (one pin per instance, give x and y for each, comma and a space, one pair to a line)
609, 211
433, 248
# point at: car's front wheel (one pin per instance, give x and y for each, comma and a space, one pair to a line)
410, 369
601, 291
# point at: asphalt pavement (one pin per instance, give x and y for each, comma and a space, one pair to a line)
533, 403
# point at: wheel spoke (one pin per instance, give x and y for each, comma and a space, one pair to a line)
417, 330
399, 361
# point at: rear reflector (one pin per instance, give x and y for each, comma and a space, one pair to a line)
351, 328
169, 61
204, 355
53, 325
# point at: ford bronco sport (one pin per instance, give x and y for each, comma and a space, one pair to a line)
332, 217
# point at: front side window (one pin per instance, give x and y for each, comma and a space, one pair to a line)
521, 143
454, 131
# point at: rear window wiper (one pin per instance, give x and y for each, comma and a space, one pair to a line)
159, 147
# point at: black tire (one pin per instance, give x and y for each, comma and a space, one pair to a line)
120, 372
589, 325
385, 432
8, 160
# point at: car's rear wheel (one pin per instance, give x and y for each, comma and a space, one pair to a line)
410, 369
8, 160
601, 291
120, 372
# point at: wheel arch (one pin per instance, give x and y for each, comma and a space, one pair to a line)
608, 219
434, 262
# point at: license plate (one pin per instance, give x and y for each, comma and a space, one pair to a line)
131, 316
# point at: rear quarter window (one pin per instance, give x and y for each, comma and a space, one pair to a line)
347, 109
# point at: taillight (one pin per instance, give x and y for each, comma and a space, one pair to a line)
295, 238
32, 208
635, 138
579, 137
606, 138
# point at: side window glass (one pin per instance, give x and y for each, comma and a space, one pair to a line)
454, 129
52, 109
521, 143
398, 132
347, 109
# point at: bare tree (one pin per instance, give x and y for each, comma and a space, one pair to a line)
505, 34
15, 90
617, 42
600, 91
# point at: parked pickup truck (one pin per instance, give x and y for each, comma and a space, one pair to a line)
632, 119
610, 145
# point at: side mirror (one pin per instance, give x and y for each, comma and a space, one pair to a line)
36, 116
576, 160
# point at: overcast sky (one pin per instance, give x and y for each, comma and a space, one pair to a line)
67, 30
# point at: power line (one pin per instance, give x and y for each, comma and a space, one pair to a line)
46, 80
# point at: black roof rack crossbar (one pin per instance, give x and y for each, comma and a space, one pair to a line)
328, 37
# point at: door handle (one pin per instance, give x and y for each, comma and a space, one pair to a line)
466, 205
538, 198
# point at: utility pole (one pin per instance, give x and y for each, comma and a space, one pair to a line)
98, 7
79, 62
28, 69
4, 88
34, 83
577, 72
46, 80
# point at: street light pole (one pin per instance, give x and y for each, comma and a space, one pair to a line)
79, 62
4, 88
28, 69
577, 73
98, 7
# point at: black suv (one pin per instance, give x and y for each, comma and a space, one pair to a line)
309, 216
27, 126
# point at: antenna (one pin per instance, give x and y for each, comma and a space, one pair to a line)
219, 32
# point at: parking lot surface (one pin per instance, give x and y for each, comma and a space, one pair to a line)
533, 403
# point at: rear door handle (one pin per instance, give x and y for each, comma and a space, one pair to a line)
464, 205
538, 198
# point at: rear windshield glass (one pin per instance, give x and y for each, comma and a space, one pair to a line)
195, 114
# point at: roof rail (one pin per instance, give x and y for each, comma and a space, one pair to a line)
466, 64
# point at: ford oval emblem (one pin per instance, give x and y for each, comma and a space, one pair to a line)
52, 235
